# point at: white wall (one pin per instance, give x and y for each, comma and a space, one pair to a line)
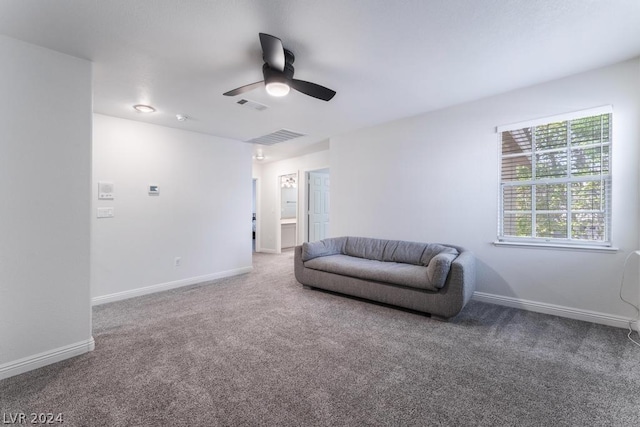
45, 173
269, 209
202, 215
434, 178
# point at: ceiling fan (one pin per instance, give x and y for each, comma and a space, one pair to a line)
278, 73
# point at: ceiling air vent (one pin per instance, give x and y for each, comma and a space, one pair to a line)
276, 137
252, 104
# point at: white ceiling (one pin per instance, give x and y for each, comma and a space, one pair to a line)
386, 59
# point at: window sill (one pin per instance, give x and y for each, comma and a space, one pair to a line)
531, 245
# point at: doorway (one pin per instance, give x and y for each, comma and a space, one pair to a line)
318, 183
255, 207
288, 219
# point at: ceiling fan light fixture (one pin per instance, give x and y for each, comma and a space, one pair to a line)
278, 89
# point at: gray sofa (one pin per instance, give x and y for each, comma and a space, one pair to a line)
427, 277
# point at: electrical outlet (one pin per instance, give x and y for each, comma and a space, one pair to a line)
177, 262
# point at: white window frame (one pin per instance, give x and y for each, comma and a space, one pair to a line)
548, 242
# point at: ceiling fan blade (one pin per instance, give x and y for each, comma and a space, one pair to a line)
272, 51
312, 89
243, 89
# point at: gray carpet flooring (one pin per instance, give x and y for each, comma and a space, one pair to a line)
258, 349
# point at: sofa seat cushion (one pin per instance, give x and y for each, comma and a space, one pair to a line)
414, 276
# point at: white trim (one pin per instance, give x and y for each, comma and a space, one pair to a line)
36, 361
267, 251
103, 299
557, 310
535, 245
604, 109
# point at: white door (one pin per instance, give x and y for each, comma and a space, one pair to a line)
318, 205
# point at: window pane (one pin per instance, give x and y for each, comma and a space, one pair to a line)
517, 225
590, 161
553, 135
516, 168
586, 195
551, 225
516, 198
551, 165
516, 141
588, 226
551, 197
590, 130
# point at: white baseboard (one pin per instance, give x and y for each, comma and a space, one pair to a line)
556, 310
46, 358
103, 299
267, 251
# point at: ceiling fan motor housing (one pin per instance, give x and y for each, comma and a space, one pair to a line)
272, 75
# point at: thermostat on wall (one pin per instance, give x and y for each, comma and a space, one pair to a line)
105, 190
154, 190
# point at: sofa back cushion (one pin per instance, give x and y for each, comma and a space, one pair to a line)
415, 253
325, 247
404, 252
401, 251
382, 250
365, 247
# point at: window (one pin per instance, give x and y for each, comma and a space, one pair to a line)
555, 181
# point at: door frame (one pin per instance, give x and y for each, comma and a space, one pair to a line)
256, 184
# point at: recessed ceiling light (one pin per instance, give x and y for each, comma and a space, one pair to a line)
144, 108
181, 117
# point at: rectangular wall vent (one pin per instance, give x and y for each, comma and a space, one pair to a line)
276, 137
252, 104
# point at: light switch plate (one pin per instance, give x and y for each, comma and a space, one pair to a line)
105, 213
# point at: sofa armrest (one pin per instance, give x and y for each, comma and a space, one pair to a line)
298, 265
463, 274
